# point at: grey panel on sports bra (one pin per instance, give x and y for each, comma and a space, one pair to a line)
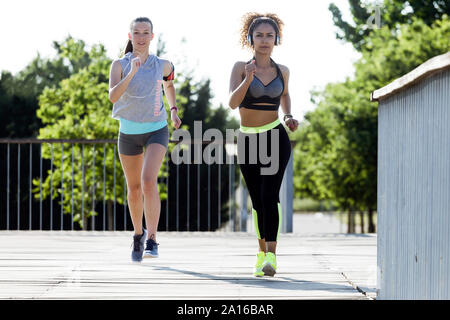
273, 89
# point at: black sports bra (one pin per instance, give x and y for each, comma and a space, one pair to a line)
259, 93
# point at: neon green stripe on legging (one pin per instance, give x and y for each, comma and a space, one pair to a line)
260, 129
255, 222
279, 219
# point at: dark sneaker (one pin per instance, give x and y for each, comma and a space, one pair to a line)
138, 246
151, 249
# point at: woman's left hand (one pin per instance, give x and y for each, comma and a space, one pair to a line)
175, 120
292, 124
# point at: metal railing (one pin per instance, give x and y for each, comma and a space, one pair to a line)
194, 197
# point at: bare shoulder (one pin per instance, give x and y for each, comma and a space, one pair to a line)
115, 73
239, 65
239, 68
284, 70
116, 64
116, 67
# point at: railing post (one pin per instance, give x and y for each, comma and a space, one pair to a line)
104, 186
243, 194
82, 188
167, 190
287, 196
71, 211
219, 191
62, 185
18, 186
93, 188
177, 196
30, 195
40, 187
7, 188
188, 186
51, 187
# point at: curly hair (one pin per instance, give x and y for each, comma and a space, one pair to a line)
247, 20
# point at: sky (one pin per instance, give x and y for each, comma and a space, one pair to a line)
210, 29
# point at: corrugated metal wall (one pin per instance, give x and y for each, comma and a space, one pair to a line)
414, 191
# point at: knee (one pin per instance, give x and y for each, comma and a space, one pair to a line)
134, 191
149, 184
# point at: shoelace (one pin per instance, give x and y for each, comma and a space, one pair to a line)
151, 243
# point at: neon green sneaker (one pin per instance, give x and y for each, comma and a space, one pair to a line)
259, 264
270, 264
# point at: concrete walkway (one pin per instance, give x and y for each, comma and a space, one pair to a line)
192, 265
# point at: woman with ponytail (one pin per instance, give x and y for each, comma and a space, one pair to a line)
258, 87
135, 91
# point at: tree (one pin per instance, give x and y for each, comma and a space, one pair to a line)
393, 14
19, 93
337, 156
74, 110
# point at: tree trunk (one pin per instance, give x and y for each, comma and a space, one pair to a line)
351, 222
361, 216
371, 224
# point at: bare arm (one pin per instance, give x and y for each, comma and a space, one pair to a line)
285, 100
239, 87
117, 86
169, 89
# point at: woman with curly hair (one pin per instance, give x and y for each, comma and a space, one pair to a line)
135, 90
258, 87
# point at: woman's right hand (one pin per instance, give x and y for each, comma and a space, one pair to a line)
135, 64
250, 70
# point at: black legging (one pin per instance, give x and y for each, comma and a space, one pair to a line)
264, 190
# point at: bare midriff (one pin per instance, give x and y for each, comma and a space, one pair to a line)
257, 118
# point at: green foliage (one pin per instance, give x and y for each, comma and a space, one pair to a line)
336, 151
393, 14
389, 56
19, 93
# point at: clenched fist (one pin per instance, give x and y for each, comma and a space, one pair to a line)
292, 124
250, 70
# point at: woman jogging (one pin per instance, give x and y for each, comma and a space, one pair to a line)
135, 90
258, 87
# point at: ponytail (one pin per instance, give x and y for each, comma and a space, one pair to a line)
128, 47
